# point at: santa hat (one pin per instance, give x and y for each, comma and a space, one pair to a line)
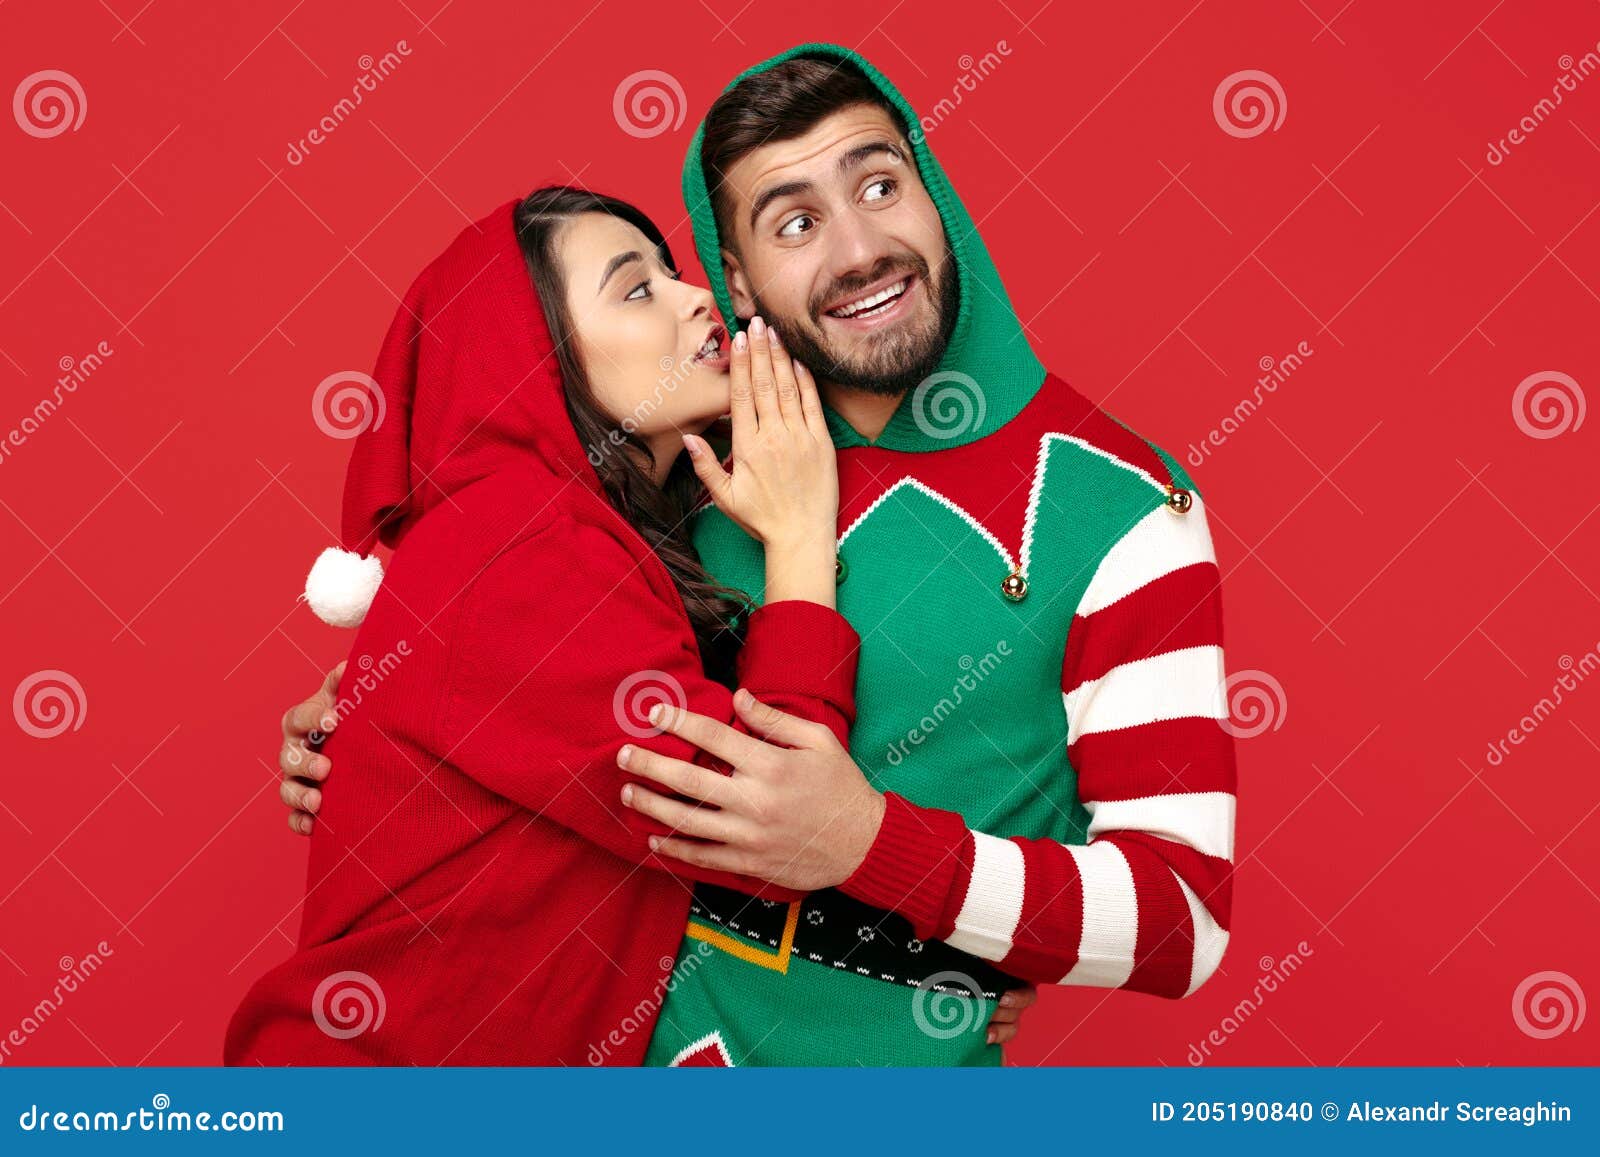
466, 384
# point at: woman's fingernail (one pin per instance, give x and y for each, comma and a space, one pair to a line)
690, 445
312, 800
758, 328
656, 714
992, 1036
655, 842
627, 793
1007, 1000
741, 340
328, 723
624, 755
772, 336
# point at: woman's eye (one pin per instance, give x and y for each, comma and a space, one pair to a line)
795, 226
633, 293
887, 184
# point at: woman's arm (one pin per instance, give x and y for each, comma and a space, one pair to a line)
539, 713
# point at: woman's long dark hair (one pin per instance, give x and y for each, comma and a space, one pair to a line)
659, 513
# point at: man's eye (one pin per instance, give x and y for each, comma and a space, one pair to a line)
632, 293
887, 184
795, 226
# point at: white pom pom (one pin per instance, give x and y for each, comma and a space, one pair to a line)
341, 586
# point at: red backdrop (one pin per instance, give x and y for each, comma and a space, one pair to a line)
1404, 515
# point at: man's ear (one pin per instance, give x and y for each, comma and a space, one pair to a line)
744, 302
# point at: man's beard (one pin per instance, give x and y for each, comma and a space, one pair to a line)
892, 364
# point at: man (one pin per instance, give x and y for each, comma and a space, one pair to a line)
1037, 787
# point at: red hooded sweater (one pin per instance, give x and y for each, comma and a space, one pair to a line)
475, 894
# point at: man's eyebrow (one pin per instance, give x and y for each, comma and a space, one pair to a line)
617, 263
768, 196
871, 149
847, 161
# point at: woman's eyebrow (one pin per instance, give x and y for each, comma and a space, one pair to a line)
617, 263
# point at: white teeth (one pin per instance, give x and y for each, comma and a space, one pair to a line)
865, 303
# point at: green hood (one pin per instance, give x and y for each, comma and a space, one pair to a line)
989, 372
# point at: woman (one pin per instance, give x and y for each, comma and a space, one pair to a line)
473, 886
474, 896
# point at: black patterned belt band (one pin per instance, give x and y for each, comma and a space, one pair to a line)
830, 928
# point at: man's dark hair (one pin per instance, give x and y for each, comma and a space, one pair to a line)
778, 104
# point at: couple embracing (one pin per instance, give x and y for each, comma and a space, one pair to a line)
822, 748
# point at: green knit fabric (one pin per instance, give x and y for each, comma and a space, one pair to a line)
988, 366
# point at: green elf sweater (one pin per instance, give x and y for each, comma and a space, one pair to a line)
1039, 696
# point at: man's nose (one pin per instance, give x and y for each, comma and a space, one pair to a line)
855, 245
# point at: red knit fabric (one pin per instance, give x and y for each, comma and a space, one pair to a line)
475, 875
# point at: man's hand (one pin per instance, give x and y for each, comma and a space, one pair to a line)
1008, 1015
801, 815
303, 768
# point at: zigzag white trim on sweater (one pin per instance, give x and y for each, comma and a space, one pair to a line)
1035, 495
954, 507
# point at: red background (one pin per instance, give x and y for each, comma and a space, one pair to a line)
1405, 561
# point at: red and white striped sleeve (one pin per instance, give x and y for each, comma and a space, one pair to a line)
1145, 903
